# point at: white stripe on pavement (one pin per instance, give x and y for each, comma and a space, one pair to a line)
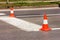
55, 28
36, 9
24, 25
30, 9
2, 14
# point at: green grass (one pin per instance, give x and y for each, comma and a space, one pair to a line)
31, 4
22, 0
20, 4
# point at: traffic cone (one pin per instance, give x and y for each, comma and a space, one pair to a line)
12, 12
45, 26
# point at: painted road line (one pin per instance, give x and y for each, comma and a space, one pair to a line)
36, 9
30, 9
2, 14
37, 15
53, 14
55, 28
22, 24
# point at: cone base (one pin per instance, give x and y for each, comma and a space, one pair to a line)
12, 15
47, 29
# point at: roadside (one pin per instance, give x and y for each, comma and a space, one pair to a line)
24, 9
28, 4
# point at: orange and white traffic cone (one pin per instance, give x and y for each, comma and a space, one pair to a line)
12, 12
45, 26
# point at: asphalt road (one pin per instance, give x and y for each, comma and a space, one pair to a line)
10, 32
34, 12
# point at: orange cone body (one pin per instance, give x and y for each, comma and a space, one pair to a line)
12, 13
45, 26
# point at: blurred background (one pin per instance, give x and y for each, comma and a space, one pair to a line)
28, 3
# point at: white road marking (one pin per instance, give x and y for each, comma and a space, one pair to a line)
24, 25
2, 14
55, 28
53, 14
30, 9
37, 9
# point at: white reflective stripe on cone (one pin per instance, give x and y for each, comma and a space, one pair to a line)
45, 21
12, 11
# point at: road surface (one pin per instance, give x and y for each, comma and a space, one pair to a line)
11, 32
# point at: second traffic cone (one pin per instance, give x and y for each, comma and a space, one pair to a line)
45, 26
12, 12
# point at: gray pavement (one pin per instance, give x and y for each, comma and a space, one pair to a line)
33, 12
10, 32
